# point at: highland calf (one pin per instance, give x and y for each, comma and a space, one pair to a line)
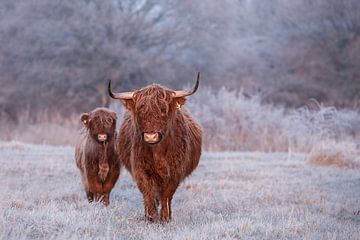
159, 143
95, 154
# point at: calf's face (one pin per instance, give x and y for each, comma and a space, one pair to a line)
101, 124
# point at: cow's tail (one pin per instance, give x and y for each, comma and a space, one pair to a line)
103, 164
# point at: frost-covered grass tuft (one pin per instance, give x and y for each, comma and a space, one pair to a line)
231, 195
333, 154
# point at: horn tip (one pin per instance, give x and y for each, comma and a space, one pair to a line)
197, 82
109, 90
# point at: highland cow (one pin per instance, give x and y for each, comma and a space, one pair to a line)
159, 143
95, 154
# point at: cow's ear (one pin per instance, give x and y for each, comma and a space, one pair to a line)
129, 104
85, 118
179, 101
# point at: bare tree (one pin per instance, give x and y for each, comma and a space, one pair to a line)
60, 54
325, 45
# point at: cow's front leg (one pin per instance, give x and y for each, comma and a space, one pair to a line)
148, 188
166, 195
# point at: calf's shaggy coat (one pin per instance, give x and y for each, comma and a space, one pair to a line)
95, 154
159, 143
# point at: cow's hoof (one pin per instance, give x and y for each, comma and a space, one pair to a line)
165, 220
152, 219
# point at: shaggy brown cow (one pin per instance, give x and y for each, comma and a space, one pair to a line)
95, 154
159, 144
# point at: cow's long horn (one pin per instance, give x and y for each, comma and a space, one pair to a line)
122, 96
188, 93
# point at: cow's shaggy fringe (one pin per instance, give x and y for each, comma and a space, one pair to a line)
231, 122
154, 95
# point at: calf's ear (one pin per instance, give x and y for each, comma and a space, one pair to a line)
85, 118
179, 101
114, 116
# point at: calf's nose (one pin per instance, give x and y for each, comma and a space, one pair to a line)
102, 137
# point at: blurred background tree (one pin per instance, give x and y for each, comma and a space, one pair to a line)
58, 55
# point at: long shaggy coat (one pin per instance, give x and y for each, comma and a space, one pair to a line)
95, 154
158, 168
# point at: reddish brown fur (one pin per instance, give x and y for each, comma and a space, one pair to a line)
98, 162
158, 169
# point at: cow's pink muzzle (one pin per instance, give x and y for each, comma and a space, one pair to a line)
152, 138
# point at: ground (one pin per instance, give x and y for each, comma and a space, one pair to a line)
239, 195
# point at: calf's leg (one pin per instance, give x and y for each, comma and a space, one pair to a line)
89, 196
106, 199
110, 183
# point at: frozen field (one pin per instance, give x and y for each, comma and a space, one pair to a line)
229, 196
